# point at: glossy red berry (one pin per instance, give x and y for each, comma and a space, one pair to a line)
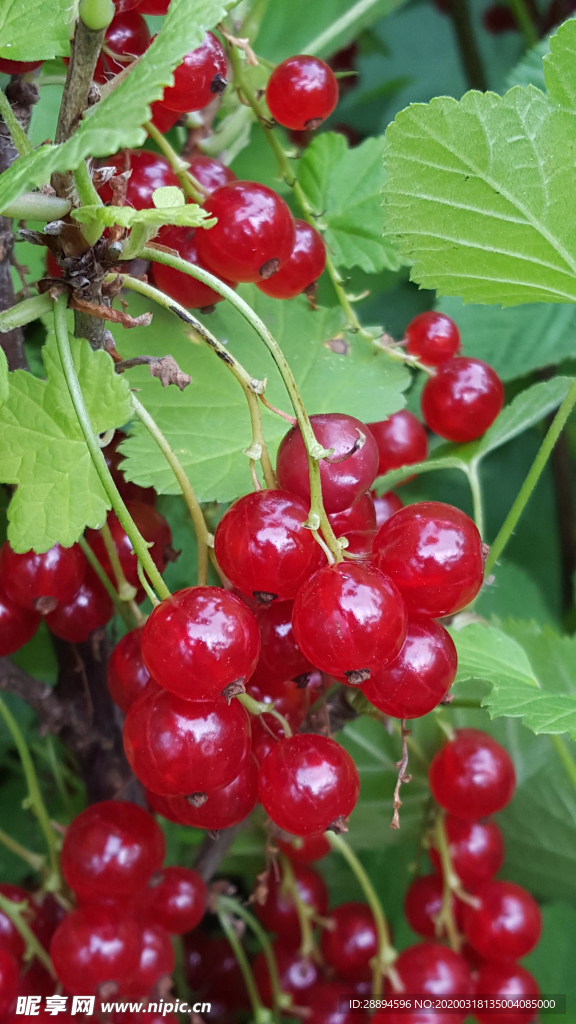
433, 553
348, 620
428, 968
8, 976
177, 746
290, 700
153, 527
302, 269
90, 609
111, 850
305, 849
127, 5
476, 849
254, 235
401, 441
47, 916
307, 782
298, 974
177, 900
149, 172
199, 78
263, 547
224, 807
325, 1003
506, 981
419, 677
18, 67
359, 516
184, 289
350, 941
432, 338
39, 582
345, 474
127, 36
212, 971
210, 173
114, 461
280, 657
385, 506
200, 640
423, 902
302, 92
162, 117
126, 673
17, 625
95, 945
462, 399
156, 961
507, 923
154, 7
10, 938
472, 775
278, 912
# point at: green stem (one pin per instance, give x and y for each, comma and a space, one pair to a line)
565, 756
126, 592
235, 907
190, 185
35, 796
24, 312
203, 537
259, 707
138, 543
16, 911
88, 197
261, 1014
450, 884
120, 606
35, 206
525, 23
476, 489
144, 583
34, 860
21, 141
552, 435
304, 911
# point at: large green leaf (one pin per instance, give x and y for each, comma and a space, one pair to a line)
296, 26
552, 962
559, 73
34, 29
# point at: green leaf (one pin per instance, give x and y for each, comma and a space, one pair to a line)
530, 70
42, 448
552, 656
183, 216
4, 385
511, 591
343, 185
559, 72
208, 423
116, 121
552, 962
296, 26
34, 29
167, 196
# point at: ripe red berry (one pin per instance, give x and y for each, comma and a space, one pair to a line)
345, 474
507, 923
200, 77
153, 527
39, 582
401, 441
462, 399
95, 945
162, 117
280, 657
325, 1003
305, 849
506, 981
127, 5
359, 516
149, 172
153, 6
423, 902
433, 553
8, 969
127, 36
212, 969
210, 173
200, 640
89, 609
303, 268
298, 974
428, 968
10, 939
385, 506
128, 490
18, 67
291, 701
433, 338
419, 677
472, 775
301, 92
476, 849
350, 941
225, 807
47, 917
177, 746
111, 850
127, 675
348, 620
177, 900
254, 235
185, 290
156, 961
263, 547
278, 911
307, 783
17, 625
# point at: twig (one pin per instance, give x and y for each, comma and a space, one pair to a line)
402, 765
213, 850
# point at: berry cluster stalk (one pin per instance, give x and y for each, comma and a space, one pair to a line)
279, 999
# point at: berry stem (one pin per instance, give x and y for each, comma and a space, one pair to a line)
525, 23
145, 585
138, 543
36, 861
565, 756
88, 197
191, 187
259, 707
534, 474
37, 804
384, 961
451, 884
21, 141
16, 911
24, 312
235, 907
304, 910
261, 1014
126, 592
204, 539
476, 489
122, 607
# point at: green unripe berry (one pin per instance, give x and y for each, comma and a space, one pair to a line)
96, 14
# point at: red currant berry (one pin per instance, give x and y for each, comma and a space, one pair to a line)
496, 19
417, 680
385, 506
200, 77
263, 547
350, 941
280, 657
325, 1002
472, 775
433, 338
156, 961
349, 619
10, 938
298, 974
506, 981
184, 289
433, 553
18, 67
476, 849
128, 490
127, 675
212, 969
305, 849
149, 172
303, 268
225, 807
507, 923
422, 904
302, 92
89, 609
154, 7
359, 516
95, 945
17, 625
345, 474
39, 582
254, 235
178, 900
126, 5
153, 528
401, 441
8, 965
278, 912
111, 849
162, 117
430, 969
210, 173
361, 544
48, 915
127, 36
200, 640
177, 746
307, 783
35, 981
462, 399
290, 701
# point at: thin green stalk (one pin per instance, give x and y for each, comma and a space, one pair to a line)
16, 911
444, 920
525, 23
24, 312
21, 141
304, 911
261, 1014
279, 998
126, 592
36, 861
138, 543
120, 606
36, 800
146, 586
565, 756
203, 537
190, 185
88, 197
476, 489
259, 707
545, 450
